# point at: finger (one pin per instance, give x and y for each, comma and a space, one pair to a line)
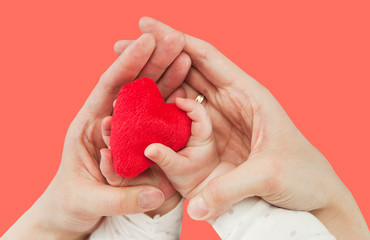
106, 125
166, 51
107, 169
197, 81
155, 27
159, 30
122, 71
179, 92
167, 159
222, 192
201, 127
172, 78
213, 64
105, 200
190, 91
174, 75
206, 58
121, 45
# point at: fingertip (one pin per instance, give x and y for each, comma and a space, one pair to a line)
105, 161
178, 93
120, 46
147, 37
185, 59
106, 123
151, 151
181, 103
176, 38
117, 47
105, 153
142, 20
143, 23
179, 100
101, 154
197, 208
185, 104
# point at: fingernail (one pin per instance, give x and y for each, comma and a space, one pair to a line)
150, 198
197, 208
101, 154
150, 152
180, 99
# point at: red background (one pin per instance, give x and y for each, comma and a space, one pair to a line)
312, 55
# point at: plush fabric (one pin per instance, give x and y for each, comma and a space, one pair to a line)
142, 117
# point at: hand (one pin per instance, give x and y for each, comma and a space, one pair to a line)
253, 131
78, 197
199, 157
153, 175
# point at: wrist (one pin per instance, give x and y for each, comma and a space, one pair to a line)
343, 217
33, 225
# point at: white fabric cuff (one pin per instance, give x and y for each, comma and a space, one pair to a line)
141, 226
253, 218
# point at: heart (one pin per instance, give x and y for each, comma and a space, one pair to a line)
141, 117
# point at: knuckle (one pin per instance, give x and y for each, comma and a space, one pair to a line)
165, 159
181, 38
122, 203
176, 38
185, 60
204, 54
158, 63
271, 179
169, 84
105, 84
198, 108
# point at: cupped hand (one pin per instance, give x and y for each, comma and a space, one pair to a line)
78, 197
272, 159
253, 132
81, 190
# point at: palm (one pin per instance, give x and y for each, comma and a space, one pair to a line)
232, 142
79, 187
83, 166
233, 134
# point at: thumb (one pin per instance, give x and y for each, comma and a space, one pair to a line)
222, 192
167, 159
105, 200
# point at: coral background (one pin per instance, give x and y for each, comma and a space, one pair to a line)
312, 55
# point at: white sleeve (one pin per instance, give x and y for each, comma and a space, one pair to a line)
141, 226
253, 218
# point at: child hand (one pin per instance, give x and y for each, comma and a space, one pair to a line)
190, 169
152, 176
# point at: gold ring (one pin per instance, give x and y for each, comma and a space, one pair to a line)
200, 98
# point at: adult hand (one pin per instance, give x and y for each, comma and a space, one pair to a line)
78, 197
272, 158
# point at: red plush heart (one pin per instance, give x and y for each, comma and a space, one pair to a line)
142, 117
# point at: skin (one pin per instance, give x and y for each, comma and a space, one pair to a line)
75, 201
253, 131
199, 156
